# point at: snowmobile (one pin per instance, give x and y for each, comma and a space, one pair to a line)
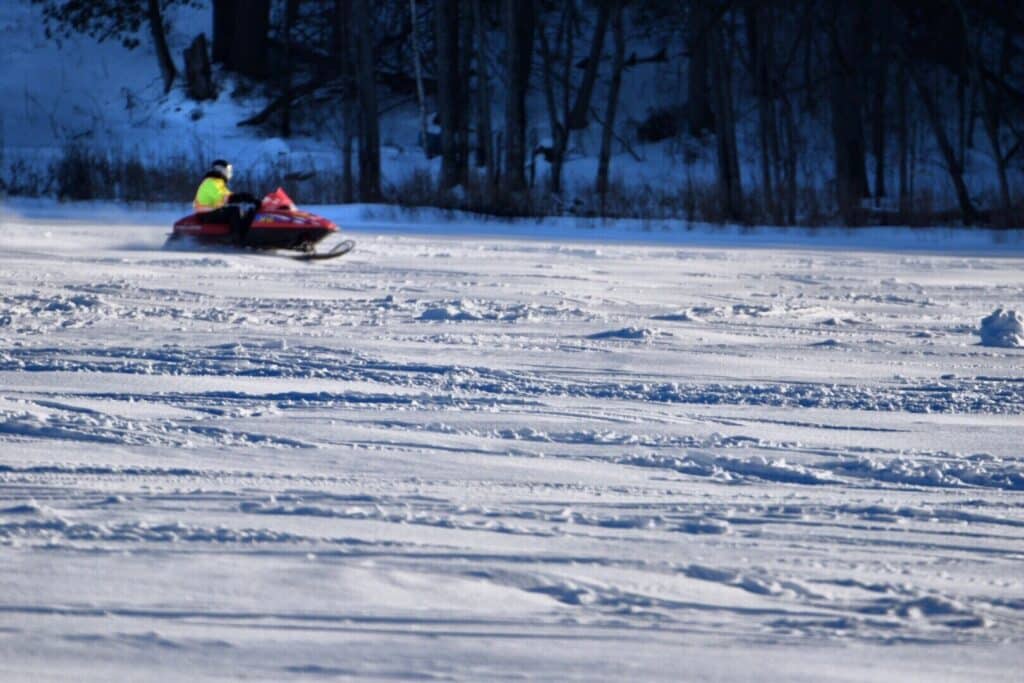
276, 224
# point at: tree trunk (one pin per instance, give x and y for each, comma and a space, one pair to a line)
878, 131
519, 25
568, 59
291, 15
418, 70
369, 125
446, 40
903, 140
912, 158
484, 136
953, 165
759, 42
339, 36
465, 100
223, 29
775, 152
881, 83
156, 26
578, 119
961, 119
730, 187
699, 115
608, 131
248, 55
992, 106
847, 121
790, 162
991, 121
559, 134
342, 44
197, 71
770, 135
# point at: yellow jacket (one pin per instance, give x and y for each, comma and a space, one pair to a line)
212, 194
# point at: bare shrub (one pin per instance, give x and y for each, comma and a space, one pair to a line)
22, 179
82, 173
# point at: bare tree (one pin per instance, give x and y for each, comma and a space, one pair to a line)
995, 106
954, 164
248, 51
608, 127
484, 136
156, 27
903, 141
452, 89
846, 56
560, 71
343, 48
760, 43
698, 106
519, 29
421, 99
291, 14
369, 116
883, 36
730, 187
578, 118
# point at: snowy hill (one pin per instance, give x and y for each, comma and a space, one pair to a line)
105, 97
106, 100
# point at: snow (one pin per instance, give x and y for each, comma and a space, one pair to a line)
482, 450
1002, 328
627, 333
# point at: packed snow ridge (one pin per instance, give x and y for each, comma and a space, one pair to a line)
1003, 329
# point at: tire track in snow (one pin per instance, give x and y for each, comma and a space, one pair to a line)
977, 396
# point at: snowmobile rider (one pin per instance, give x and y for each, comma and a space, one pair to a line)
215, 203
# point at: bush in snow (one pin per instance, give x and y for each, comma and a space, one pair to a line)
1002, 328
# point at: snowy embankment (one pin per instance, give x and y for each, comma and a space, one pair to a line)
467, 458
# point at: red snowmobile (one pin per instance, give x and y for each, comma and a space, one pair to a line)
276, 224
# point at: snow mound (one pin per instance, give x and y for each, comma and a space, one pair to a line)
463, 310
699, 313
1003, 328
684, 316
459, 311
629, 333
977, 471
29, 508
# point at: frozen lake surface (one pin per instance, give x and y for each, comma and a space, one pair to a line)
457, 457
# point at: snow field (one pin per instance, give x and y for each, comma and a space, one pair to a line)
459, 458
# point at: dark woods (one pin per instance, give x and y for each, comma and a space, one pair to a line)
869, 111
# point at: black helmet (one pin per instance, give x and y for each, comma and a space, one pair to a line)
223, 167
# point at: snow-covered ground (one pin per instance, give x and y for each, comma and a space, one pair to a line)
663, 456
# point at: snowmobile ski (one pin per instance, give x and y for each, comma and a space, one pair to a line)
340, 249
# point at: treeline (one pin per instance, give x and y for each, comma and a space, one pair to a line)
776, 89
